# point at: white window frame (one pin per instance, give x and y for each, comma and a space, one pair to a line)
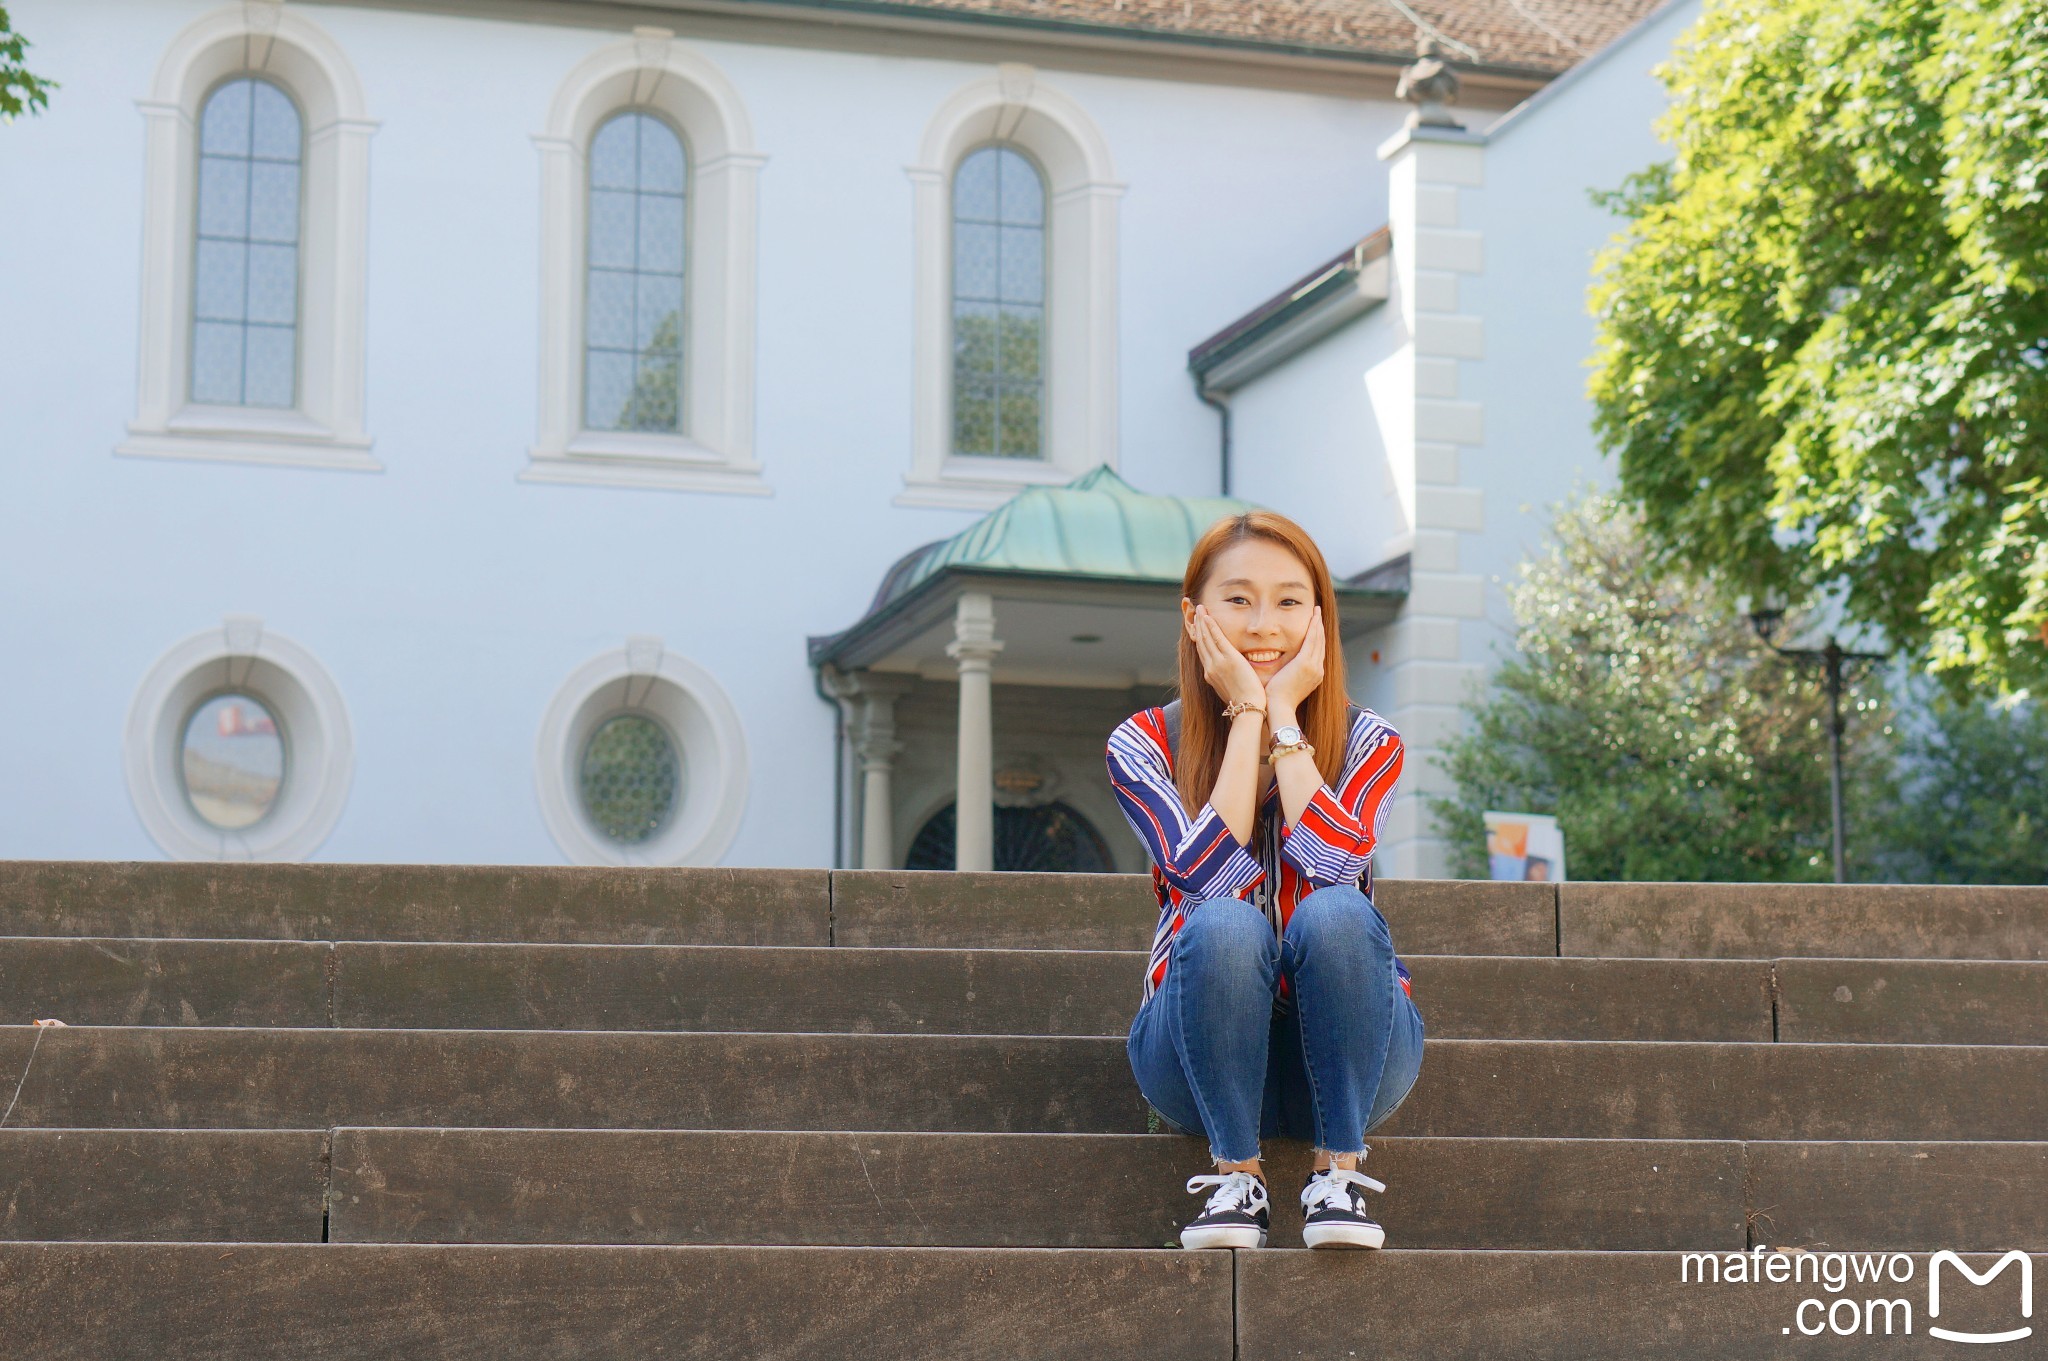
325, 429
240, 655
690, 705
1014, 107
715, 451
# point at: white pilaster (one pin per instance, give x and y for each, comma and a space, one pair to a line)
1431, 170
974, 647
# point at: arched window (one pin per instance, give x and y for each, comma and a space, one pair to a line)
1014, 342
647, 242
633, 308
245, 277
998, 305
255, 231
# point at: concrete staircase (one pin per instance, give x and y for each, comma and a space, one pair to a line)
369, 1111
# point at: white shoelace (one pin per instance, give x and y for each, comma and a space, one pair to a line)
1331, 1187
1234, 1190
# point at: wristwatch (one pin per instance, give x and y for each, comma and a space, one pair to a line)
1286, 741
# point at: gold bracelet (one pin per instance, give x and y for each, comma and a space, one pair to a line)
1242, 706
1272, 757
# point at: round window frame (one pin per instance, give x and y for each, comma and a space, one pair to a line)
313, 726
700, 720
284, 741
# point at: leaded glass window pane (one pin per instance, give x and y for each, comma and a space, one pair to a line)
232, 757
245, 275
998, 305
633, 301
631, 777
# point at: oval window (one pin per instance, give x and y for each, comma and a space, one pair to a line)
630, 778
232, 758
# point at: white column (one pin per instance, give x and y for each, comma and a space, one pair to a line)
974, 647
878, 749
1429, 648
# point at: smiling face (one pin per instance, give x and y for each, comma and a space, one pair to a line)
1259, 592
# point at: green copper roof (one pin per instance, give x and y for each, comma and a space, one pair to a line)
1097, 528
1098, 525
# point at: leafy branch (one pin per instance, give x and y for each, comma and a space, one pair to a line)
20, 90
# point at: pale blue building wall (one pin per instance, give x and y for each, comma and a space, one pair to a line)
1587, 132
1309, 438
449, 601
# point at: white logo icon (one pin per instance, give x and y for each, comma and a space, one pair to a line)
2026, 1294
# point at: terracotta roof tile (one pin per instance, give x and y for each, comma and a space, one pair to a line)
1539, 36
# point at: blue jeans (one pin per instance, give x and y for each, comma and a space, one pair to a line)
1211, 1053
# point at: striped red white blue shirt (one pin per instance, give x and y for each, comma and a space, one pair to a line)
1198, 857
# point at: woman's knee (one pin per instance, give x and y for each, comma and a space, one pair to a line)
1339, 916
1226, 926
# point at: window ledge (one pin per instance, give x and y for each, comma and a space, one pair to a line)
226, 434
659, 462
969, 483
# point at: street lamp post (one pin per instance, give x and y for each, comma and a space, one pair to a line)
1834, 661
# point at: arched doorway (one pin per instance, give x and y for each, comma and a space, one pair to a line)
1049, 836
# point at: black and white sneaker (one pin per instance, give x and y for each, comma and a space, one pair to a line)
1237, 1216
1335, 1206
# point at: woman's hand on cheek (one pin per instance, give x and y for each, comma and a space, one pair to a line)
1225, 668
1297, 680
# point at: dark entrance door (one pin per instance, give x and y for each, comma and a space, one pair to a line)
1050, 836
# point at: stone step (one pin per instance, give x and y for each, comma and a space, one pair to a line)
639, 906
1500, 997
967, 1190
1756, 921
431, 985
255, 1078
1599, 1306
282, 1302
1592, 1089
434, 985
689, 906
276, 1302
145, 981
156, 1185
103, 981
941, 909
258, 1078
724, 988
1913, 1002
964, 1190
1018, 992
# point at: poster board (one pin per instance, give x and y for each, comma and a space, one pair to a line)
1524, 846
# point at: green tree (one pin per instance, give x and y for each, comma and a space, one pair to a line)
1974, 796
20, 92
1644, 715
1823, 333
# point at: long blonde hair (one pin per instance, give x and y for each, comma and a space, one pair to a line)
1322, 715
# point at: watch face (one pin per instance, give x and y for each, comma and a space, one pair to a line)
1286, 737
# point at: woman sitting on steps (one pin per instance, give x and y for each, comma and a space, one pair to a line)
1273, 1002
